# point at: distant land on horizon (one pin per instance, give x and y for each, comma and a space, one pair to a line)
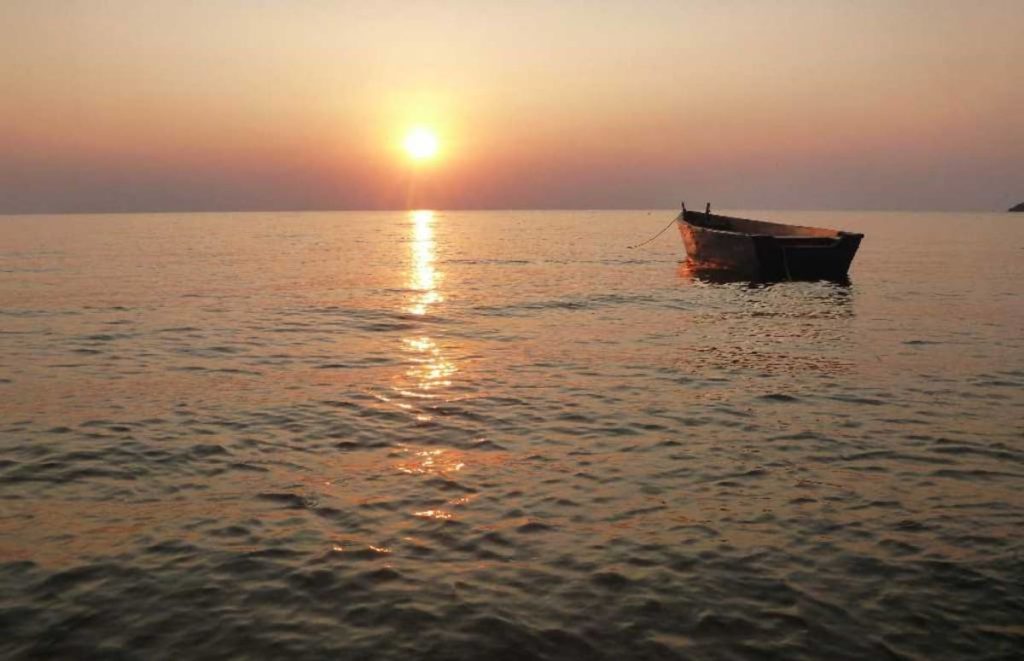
1019, 207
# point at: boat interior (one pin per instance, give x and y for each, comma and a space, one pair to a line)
747, 226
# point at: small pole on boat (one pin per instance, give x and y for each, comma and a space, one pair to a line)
707, 209
684, 207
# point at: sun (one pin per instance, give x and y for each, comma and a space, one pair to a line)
421, 144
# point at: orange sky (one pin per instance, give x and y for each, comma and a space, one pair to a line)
232, 104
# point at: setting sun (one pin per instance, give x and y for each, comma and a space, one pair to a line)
421, 144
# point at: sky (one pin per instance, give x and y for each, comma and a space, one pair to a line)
169, 105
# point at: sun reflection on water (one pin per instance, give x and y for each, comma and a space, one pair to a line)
430, 462
430, 370
439, 515
429, 373
423, 277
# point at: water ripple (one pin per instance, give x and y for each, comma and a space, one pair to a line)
442, 436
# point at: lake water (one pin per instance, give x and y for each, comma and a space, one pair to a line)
504, 435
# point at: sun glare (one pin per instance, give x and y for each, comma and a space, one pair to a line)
421, 144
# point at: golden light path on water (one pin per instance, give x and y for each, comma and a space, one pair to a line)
431, 371
423, 277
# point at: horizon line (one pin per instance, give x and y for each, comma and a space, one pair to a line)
155, 212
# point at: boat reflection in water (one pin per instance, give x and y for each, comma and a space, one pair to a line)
694, 272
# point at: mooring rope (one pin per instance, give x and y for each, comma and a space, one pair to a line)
655, 236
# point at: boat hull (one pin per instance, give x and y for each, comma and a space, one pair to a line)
766, 251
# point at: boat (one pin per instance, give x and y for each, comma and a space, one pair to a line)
762, 250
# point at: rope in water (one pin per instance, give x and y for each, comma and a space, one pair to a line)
653, 237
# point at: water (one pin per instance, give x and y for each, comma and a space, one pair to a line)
505, 435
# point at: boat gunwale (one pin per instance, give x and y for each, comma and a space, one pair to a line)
837, 234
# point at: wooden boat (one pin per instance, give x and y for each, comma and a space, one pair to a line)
761, 250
